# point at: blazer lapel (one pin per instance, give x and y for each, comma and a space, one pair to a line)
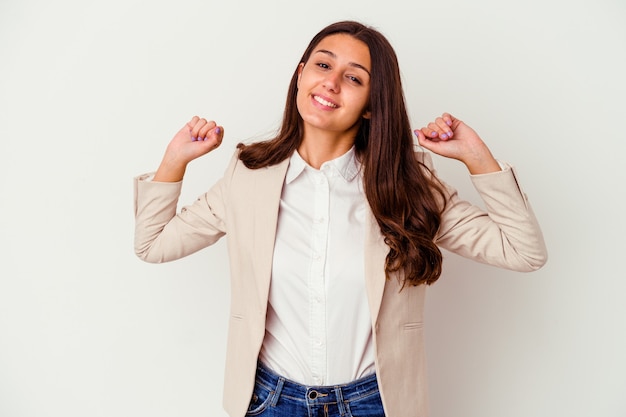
375, 255
267, 190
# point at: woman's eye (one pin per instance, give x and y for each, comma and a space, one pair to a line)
354, 79
323, 65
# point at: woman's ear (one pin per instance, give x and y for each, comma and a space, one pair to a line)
300, 67
367, 114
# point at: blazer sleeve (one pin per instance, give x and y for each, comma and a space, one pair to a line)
506, 235
162, 235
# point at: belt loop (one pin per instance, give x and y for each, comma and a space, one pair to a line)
279, 389
340, 404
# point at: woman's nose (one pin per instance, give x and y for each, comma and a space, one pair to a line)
332, 82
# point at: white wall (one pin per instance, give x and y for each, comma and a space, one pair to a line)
92, 91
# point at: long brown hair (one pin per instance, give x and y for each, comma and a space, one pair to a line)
404, 196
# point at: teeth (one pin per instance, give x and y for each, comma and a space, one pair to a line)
324, 102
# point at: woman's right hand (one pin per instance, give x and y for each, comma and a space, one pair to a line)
198, 137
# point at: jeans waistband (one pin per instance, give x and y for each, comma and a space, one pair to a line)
316, 394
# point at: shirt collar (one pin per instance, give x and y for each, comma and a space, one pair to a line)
346, 165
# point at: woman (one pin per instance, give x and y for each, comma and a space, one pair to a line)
334, 228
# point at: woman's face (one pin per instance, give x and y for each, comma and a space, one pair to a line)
334, 85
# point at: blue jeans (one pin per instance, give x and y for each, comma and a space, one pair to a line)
275, 396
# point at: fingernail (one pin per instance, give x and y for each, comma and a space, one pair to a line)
416, 134
444, 136
217, 131
433, 133
193, 139
449, 122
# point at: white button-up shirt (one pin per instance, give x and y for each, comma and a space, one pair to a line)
318, 327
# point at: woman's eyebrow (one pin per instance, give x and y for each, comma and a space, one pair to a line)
334, 56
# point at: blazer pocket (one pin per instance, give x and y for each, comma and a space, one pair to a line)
418, 325
236, 317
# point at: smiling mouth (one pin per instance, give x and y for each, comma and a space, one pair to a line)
325, 102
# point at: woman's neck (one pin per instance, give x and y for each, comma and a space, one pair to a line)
319, 147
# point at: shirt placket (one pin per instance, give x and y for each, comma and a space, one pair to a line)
316, 282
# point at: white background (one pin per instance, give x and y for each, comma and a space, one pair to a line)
92, 91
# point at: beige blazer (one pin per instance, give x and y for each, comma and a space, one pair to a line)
244, 205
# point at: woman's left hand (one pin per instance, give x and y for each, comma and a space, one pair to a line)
450, 137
